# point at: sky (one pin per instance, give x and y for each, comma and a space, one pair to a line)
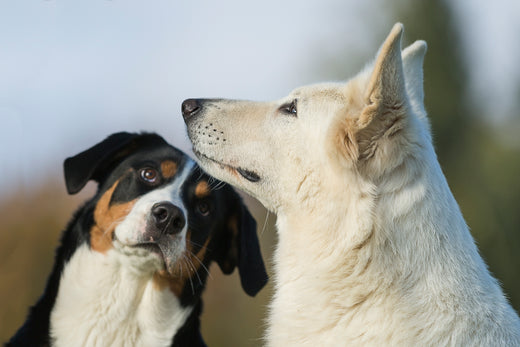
72, 72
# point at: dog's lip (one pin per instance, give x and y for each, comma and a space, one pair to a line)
151, 246
249, 175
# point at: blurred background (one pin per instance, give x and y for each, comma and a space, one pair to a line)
73, 72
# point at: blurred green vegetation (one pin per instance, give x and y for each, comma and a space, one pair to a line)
482, 167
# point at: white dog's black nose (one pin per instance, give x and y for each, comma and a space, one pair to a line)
168, 218
190, 107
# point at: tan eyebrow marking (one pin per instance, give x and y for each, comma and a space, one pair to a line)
202, 189
168, 168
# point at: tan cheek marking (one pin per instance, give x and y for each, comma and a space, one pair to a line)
106, 218
186, 269
202, 189
168, 168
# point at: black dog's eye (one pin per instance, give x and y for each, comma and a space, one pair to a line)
203, 207
149, 175
290, 108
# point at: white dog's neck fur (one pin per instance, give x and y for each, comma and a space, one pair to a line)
362, 287
393, 264
105, 300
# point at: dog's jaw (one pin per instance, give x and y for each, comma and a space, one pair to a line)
249, 175
215, 138
216, 160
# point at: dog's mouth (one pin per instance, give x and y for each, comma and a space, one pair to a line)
151, 247
148, 246
249, 175
160, 250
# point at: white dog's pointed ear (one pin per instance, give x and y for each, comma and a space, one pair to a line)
413, 58
385, 91
385, 99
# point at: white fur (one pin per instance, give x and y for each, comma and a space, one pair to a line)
110, 299
104, 302
373, 249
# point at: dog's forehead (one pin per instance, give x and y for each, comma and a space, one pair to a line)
164, 164
156, 155
320, 91
172, 189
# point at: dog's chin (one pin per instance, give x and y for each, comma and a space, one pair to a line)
157, 256
210, 163
152, 248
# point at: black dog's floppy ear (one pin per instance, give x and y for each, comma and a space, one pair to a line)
93, 162
243, 249
251, 268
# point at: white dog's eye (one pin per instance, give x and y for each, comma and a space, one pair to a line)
149, 175
290, 108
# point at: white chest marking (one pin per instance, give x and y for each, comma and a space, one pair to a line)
101, 302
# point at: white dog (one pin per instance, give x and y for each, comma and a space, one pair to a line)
373, 249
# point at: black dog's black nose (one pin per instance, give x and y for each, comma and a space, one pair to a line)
168, 217
190, 107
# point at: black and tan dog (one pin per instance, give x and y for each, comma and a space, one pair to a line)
133, 262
